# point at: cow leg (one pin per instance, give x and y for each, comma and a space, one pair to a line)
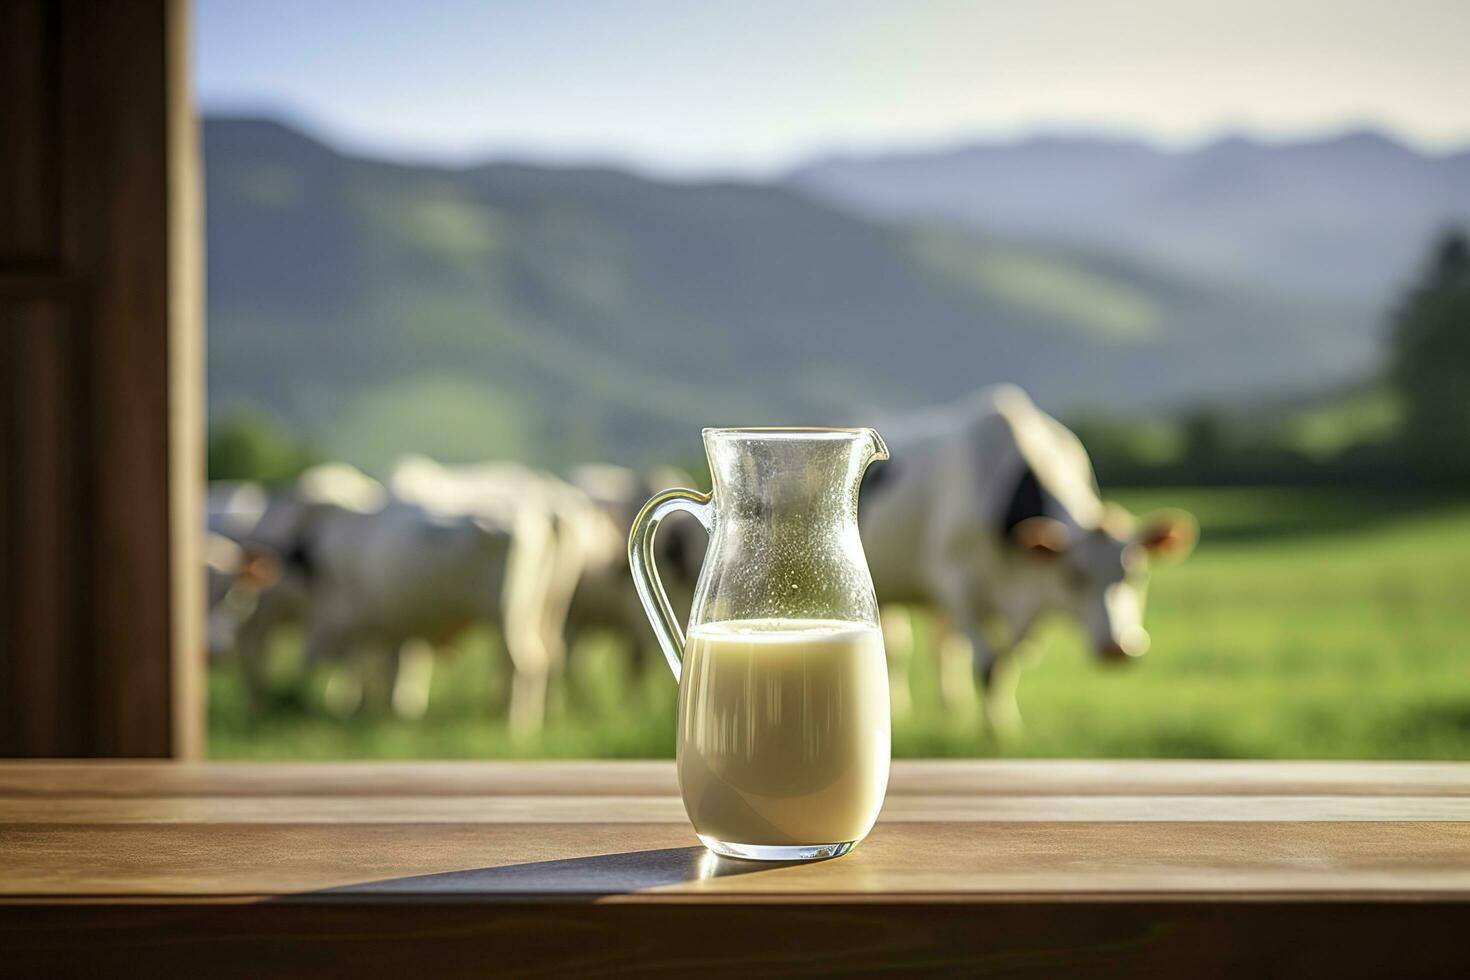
994, 672
415, 677
523, 605
327, 642
998, 694
959, 631
344, 692
646, 664
528, 700
566, 570
954, 663
572, 641
530, 666
373, 667
251, 648
1002, 712
898, 645
380, 668
967, 660
990, 665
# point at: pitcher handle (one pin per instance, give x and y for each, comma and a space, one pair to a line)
645, 572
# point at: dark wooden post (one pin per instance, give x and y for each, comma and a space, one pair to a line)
100, 379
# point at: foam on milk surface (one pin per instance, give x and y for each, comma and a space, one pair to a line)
783, 730
779, 630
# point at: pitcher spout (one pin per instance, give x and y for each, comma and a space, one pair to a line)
877, 449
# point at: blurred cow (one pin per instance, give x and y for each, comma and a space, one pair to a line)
554, 535
326, 553
989, 513
233, 509
605, 598
272, 570
382, 576
246, 604
247, 598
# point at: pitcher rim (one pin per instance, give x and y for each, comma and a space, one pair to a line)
771, 430
879, 447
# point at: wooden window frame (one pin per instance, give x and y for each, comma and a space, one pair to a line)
101, 382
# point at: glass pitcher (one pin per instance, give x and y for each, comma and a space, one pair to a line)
783, 739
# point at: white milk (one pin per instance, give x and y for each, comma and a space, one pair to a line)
783, 731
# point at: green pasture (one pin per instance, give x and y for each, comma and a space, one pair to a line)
1308, 624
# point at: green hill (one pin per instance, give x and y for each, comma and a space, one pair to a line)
557, 314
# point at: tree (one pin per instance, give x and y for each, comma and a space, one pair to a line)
1431, 360
249, 446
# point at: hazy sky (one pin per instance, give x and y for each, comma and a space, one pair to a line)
750, 86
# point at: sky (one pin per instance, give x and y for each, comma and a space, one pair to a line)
754, 86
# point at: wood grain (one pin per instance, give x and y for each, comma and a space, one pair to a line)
79, 829
118, 778
976, 869
615, 808
1395, 859
1119, 867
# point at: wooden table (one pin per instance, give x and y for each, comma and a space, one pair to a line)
441, 869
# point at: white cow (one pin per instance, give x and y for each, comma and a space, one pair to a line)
989, 512
555, 534
605, 598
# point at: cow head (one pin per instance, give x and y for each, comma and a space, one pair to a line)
238, 575
1101, 574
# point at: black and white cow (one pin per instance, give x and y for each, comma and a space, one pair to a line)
249, 594
989, 513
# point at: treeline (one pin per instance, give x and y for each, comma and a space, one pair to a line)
1409, 428
250, 445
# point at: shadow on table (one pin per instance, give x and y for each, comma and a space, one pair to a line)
601, 874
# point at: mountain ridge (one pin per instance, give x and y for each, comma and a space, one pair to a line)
1343, 217
558, 314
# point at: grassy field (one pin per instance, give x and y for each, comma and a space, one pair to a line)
1309, 624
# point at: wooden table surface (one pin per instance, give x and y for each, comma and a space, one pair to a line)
592, 867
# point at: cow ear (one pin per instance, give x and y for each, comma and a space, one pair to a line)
1042, 536
1168, 534
260, 569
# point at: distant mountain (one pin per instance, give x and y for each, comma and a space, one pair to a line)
557, 314
1345, 217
